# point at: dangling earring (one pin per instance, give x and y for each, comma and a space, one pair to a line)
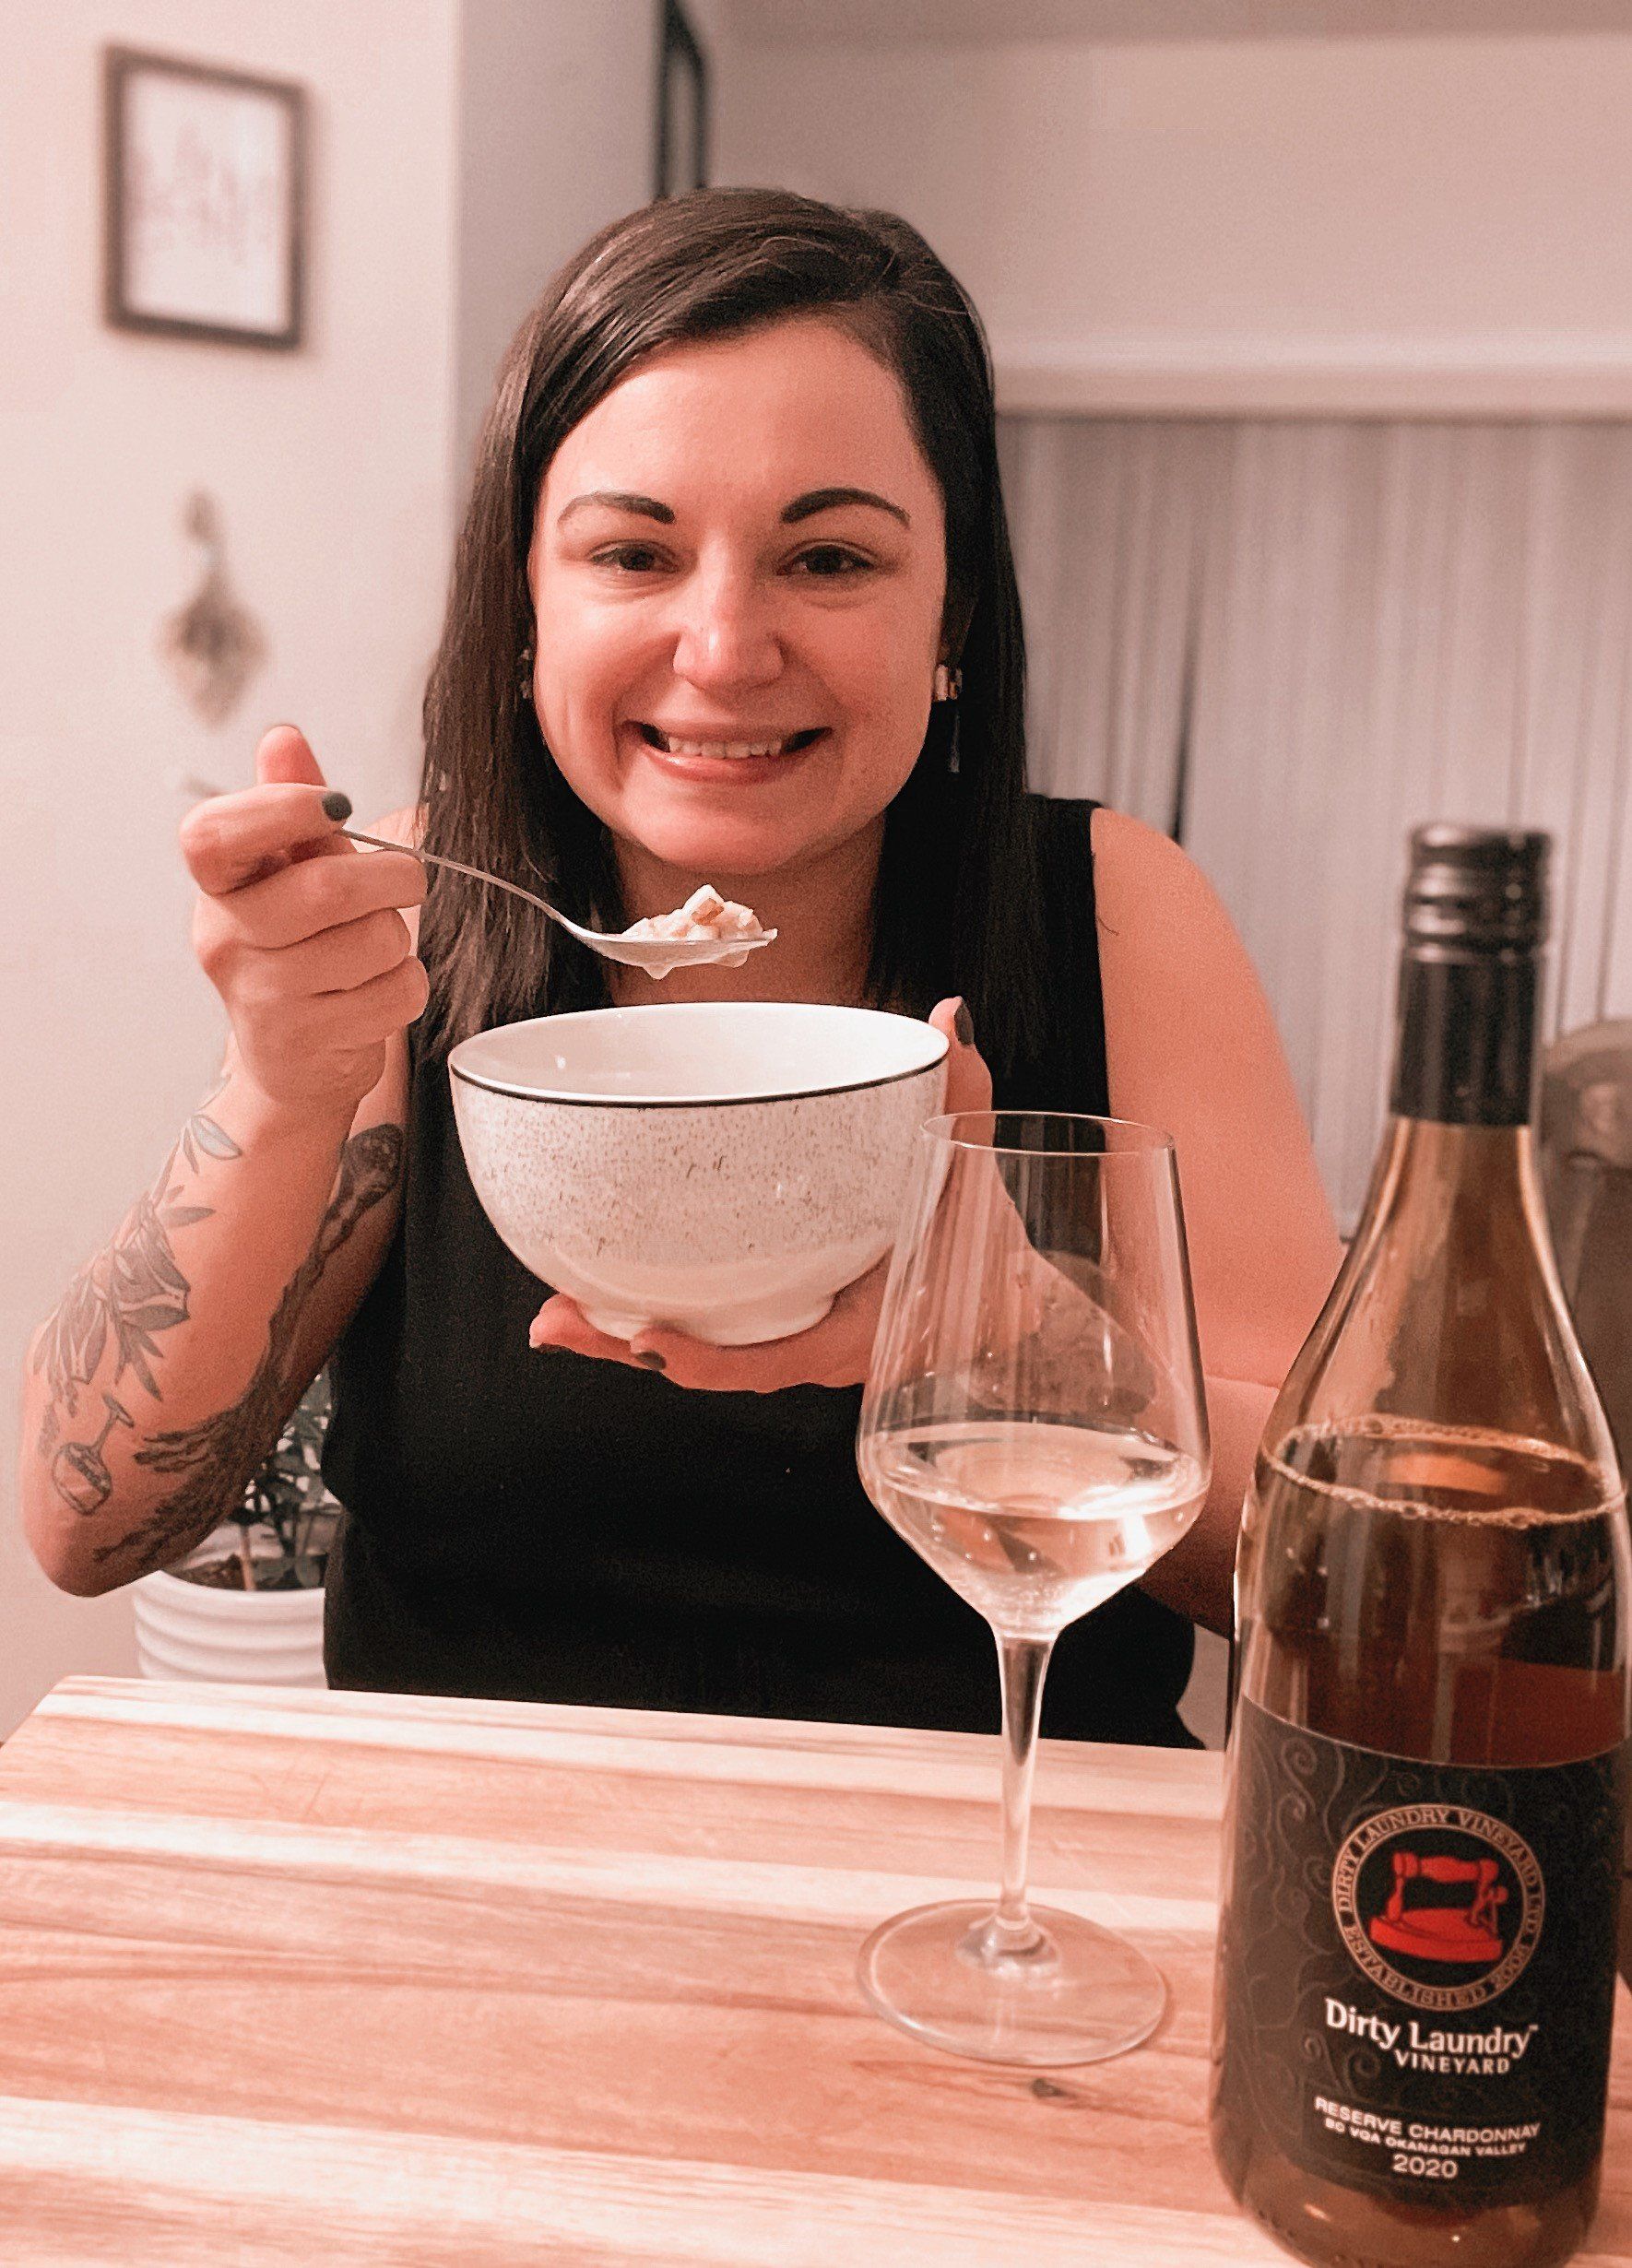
524, 673
947, 684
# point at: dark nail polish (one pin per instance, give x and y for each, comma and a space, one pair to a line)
651, 1358
336, 804
963, 1025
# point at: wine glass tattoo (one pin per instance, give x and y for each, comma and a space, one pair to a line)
79, 1470
1035, 1426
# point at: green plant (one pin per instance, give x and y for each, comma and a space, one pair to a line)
286, 1521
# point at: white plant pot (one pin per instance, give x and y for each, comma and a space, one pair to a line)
256, 1638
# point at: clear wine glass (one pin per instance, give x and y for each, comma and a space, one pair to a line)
1035, 1426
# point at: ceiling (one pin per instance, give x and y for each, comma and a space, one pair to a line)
903, 23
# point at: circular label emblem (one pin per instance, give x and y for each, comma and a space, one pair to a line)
1440, 1905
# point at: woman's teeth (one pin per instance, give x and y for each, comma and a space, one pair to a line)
673, 746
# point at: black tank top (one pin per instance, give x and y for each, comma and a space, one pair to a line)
541, 1526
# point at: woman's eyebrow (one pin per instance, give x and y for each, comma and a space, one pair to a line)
824, 500
618, 500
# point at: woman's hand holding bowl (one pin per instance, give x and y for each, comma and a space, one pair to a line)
833, 1352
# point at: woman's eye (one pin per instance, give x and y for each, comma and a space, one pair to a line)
637, 558
831, 560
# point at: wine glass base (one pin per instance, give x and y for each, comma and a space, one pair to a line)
1079, 1994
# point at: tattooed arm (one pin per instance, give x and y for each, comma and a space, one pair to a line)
163, 1378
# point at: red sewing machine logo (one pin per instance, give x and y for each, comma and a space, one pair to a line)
1461, 1934
1440, 1905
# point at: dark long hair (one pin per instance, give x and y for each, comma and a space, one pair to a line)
956, 908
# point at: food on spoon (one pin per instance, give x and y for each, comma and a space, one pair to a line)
706, 915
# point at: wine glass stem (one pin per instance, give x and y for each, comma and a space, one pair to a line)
1022, 1663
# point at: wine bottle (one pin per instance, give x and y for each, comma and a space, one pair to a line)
1427, 1757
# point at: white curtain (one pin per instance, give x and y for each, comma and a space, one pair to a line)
1322, 633
1107, 519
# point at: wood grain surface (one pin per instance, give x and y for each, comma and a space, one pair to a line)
327, 1979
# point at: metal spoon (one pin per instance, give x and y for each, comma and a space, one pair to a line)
656, 955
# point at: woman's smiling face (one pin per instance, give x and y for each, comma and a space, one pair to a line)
738, 573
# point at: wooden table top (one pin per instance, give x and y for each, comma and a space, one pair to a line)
322, 1980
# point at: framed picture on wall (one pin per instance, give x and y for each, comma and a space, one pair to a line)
204, 200
682, 105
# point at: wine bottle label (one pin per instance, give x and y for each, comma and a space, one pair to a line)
1418, 1964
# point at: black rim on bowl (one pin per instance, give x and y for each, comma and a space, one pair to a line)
491, 1084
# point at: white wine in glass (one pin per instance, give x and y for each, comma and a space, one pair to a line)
1035, 1426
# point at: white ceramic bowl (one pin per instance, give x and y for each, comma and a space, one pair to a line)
726, 1167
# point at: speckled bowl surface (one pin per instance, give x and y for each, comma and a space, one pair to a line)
724, 1167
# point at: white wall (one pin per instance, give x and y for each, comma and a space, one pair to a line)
332, 468
1339, 224
556, 131
461, 150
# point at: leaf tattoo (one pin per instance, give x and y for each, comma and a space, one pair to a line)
133, 1289
202, 1133
216, 1455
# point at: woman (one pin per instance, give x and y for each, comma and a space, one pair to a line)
733, 602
